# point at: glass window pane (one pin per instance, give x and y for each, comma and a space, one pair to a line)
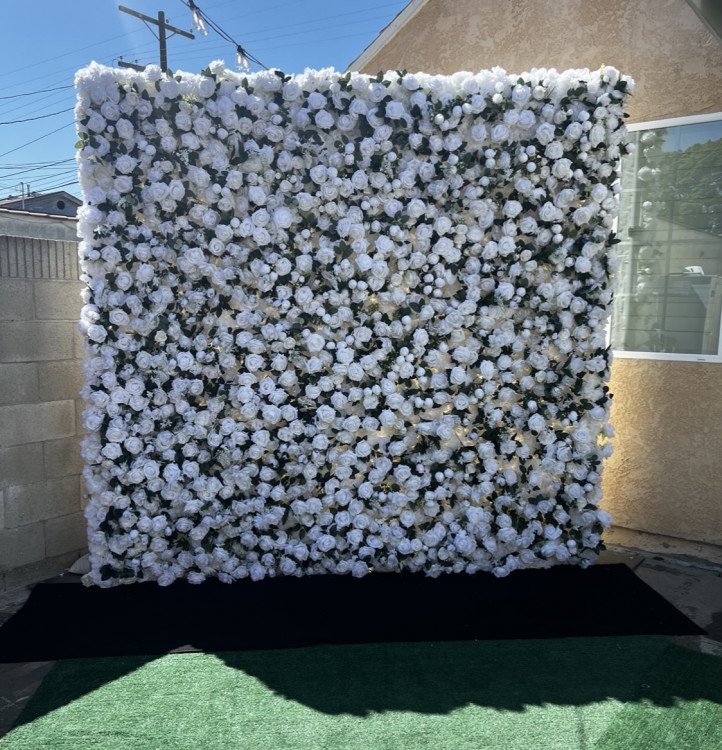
669, 292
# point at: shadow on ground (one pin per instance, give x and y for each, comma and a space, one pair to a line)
422, 678
605, 691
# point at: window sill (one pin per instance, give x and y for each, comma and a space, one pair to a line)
669, 357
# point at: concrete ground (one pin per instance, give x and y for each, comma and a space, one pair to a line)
693, 586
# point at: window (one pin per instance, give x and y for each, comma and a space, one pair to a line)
668, 303
60, 205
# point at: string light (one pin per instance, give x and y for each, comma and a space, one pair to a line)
242, 60
203, 22
197, 18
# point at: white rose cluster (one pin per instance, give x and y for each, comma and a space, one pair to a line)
345, 323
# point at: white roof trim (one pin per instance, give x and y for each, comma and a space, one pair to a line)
387, 34
35, 214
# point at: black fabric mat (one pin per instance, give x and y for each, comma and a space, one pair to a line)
67, 620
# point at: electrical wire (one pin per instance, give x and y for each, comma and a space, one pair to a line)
314, 41
38, 117
71, 52
47, 165
51, 188
243, 55
54, 177
313, 21
28, 106
40, 181
205, 48
52, 96
35, 140
39, 91
292, 34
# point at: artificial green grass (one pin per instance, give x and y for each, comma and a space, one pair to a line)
632, 693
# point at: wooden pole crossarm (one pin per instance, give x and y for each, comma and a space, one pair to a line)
134, 66
149, 19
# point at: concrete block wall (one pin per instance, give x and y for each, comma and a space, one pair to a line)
42, 528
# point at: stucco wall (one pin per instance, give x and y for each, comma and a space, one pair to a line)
666, 471
676, 62
666, 474
42, 529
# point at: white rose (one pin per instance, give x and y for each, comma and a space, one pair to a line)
545, 133
315, 343
499, 132
119, 317
549, 212
582, 215
574, 131
512, 209
96, 333
582, 264
364, 262
185, 360
125, 129
536, 423
554, 150
478, 132
395, 110
282, 217
304, 296
319, 174
324, 119
325, 413
257, 195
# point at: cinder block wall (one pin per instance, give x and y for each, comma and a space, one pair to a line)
42, 529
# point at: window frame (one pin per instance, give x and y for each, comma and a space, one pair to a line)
669, 122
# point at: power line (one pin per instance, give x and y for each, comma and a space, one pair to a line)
50, 188
66, 54
35, 188
47, 165
25, 104
54, 177
313, 41
38, 117
305, 42
35, 140
39, 91
40, 180
291, 34
201, 19
313, 21
26, 164
52, 96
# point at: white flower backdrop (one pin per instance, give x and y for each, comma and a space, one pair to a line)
342, 323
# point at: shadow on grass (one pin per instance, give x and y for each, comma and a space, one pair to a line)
422, 678
443, 670
508, 675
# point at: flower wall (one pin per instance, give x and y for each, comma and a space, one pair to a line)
342, 323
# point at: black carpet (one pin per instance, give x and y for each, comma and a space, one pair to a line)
66, 620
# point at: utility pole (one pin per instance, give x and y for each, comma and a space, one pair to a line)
163, 27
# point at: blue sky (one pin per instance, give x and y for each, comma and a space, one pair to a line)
45, 41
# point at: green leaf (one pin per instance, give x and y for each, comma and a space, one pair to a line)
345, 250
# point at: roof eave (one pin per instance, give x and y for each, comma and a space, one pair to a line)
387, 33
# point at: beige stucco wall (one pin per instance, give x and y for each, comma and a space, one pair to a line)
676, 62
666, 474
